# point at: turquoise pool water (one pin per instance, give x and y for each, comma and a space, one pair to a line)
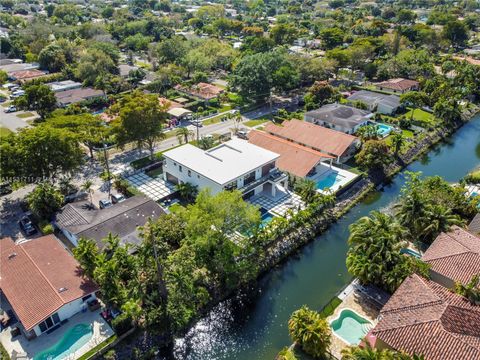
329, 180
350, 326
266, 217
71, 341
384, 129
410, 252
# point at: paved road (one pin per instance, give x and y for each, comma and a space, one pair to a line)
11, 121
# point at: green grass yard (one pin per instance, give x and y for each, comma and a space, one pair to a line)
420, 115
25, 115
256, 122
4, 131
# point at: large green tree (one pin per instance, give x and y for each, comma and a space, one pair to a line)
44, 200
39, 98
140, 120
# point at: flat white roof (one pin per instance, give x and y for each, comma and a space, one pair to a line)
223, 163
177, 112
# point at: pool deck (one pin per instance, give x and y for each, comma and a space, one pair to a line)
357, 301
325, 170
21, 348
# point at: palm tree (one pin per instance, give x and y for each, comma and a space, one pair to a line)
411, 211
307, 189
310, 331
437, 219
397, 142
184, 134
368, 132
471, 291
87, 186
187, 191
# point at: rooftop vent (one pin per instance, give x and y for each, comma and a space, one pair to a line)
62, 289
12, 255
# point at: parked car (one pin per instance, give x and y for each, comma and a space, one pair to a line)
197, 123
117, 198
242, 134
11, 108
27, 226
104, 203
17, 93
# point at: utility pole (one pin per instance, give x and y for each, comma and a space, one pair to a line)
197, 124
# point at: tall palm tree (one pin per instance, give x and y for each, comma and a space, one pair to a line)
397, 142
310, 331
88, 187
307, 189
411, 212
184, 134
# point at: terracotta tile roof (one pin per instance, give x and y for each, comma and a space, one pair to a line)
474, 226
295, 159
170, 104
317, 137
423, 317
398, 84
455, 254
202, 90
27, 74
33, 274
468, 59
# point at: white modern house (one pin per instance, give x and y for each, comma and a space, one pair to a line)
235, 164
42, 283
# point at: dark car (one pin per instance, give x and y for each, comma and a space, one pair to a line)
27, 226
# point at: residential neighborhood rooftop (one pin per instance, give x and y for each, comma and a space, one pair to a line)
425, 318
202, 90
315, 136
76, 95
224, 162
294, 158
121, 219
40, 276
398, 84
455, 255
338, 114
371, 97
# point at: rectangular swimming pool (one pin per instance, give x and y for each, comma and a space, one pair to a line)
266, 216
329, 180
383, 129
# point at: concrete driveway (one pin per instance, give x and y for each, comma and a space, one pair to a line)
12, 122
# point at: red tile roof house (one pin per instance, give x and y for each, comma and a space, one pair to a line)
327, 141
424, 318
398, 85
201, 91
453, 257
26, 75
295, 159
43, 283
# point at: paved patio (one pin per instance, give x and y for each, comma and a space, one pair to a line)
155, 189
281, 203
20, 348
332, 177
355, 299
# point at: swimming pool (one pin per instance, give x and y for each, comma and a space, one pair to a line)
72, 340
266, 217
383, 129
410, 252
329, 180
350, 326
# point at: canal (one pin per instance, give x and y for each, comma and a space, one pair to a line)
253, 325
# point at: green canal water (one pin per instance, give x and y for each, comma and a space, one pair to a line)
253, 325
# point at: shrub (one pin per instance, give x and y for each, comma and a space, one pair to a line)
46, 227
122, 323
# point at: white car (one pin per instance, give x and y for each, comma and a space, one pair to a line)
11, 108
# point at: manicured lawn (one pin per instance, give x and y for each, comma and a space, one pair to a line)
100, 346
330, 307
4, 131
420, 115
155, 172
25, 115
256, 122
213, 120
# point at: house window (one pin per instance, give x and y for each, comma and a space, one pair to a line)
174, 164
49, 322
180, 168
189, 173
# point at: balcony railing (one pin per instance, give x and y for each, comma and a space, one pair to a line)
274, 176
